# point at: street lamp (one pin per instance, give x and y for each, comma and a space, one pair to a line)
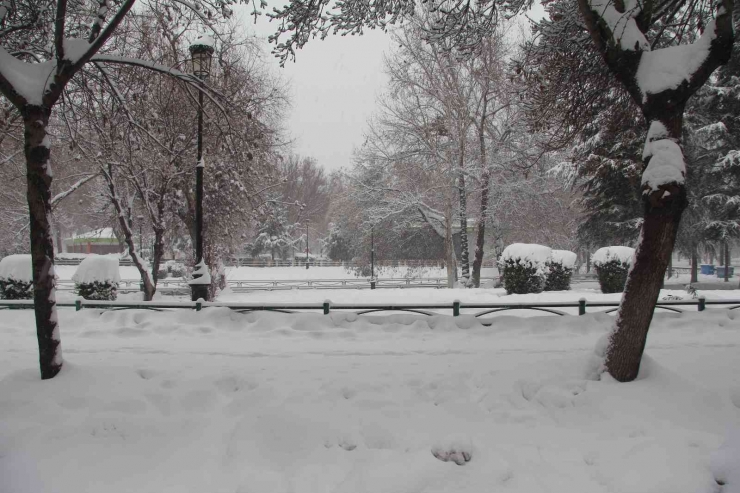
307, 221
201, 52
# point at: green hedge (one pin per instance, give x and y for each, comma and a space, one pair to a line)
521, 277
612, 275
558, 276
11, 289
105, 291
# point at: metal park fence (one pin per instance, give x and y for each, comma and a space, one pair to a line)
456, 307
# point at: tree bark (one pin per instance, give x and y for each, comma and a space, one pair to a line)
694, 267
449, 247
727, 260
662, 215
38, 179
480, 232
128, 235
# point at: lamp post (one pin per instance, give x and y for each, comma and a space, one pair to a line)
201, 52
307, 221
372, 256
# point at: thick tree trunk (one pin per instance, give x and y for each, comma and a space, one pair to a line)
661, 219
38, 179
694, 267
670, 266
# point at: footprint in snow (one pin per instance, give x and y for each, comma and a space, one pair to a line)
454, 448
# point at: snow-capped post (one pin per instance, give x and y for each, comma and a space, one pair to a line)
202, 52
660, 81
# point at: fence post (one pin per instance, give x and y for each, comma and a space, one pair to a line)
78, 305
199, 304
456, 308
582, 306
702, 303
327, 304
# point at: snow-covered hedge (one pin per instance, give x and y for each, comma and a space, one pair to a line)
16, 277
612, 265
97, 278
559, 270
523, 267
176, 269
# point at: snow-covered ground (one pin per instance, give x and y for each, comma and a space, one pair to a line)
222, 401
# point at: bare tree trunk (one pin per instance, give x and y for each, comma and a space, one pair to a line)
694, 267
462, 196
128, 235
480, 231
670, 266
449, 246
727, 261
38, 180
480, 235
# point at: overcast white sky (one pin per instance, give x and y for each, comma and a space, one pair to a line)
334, 84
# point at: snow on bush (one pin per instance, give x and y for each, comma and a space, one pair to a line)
612, 265
16, 277
559, 270
176, 269
97, 278
523, 267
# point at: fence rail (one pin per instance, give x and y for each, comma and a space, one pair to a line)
555, 308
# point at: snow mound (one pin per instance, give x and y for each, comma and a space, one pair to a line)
564, 257
623, 253
726, 464
97, 268
17, 268
535, 255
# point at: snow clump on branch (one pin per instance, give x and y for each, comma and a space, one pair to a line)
666, 163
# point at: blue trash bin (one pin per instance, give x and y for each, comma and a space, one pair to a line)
721, 271
707, 269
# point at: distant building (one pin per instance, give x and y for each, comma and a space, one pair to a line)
100, 241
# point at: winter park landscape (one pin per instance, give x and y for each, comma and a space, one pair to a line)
475, 246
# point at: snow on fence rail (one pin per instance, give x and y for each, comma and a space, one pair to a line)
365, 308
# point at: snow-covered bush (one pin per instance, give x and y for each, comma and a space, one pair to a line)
612, 265
162, 273
523, 267
16, 277
559, 270
176, 269
97, 278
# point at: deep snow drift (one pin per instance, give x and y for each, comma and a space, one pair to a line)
222, 401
